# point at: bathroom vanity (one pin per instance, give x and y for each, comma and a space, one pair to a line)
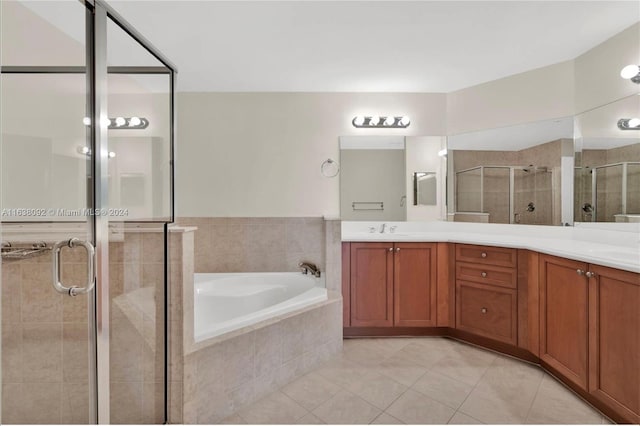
567, 299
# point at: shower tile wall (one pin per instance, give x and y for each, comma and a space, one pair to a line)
45, 343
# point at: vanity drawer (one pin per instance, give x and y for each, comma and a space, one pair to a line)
487, 311
487, 274
497, 256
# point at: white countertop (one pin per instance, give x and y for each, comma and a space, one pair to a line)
614, 248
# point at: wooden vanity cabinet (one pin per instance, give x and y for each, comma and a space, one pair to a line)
486, 292
392, 284
614, 340
371, 286
564, 307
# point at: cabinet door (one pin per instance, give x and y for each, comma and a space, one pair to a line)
415, 285
371, 284
564, 304
614, 349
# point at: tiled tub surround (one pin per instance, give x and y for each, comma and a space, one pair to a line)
212, 379
45, 335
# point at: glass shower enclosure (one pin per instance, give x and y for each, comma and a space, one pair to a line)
507, 194
86, 151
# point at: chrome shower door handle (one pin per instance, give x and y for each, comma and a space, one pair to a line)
91, 279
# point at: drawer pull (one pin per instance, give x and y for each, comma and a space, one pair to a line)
590, 274
579, 271
484, 310
483, 254
484, 275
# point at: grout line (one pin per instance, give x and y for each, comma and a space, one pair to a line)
535, 396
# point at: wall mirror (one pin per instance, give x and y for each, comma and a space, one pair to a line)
425, 188
512, 174
607, 164
372, 182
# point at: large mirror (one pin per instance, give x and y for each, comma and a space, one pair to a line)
607, 172
511, 174
392, 178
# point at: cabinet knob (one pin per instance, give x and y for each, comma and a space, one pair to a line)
590, 274
390, 248
484, 275
484, 310
579, 271
397, 248
483, 254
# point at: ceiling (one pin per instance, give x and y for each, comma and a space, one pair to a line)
369, 46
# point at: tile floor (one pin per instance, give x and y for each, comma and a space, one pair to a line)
420, 381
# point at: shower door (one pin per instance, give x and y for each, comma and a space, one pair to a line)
86, 198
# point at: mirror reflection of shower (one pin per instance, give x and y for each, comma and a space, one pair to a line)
507, 194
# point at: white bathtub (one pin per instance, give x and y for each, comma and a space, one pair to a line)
226, 302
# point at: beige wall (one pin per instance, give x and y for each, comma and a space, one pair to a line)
598, 80
534, 95
259, 154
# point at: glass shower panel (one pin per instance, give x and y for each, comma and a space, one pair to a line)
583, 200
139, 140
608, 192
47, 336
496, 194
469, 190
633, 188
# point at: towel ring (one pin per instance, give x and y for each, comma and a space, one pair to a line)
330, 168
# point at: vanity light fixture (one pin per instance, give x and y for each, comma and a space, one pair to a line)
629, 124
374, 121
122, 122
631, 72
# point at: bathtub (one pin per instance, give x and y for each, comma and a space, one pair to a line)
228, 301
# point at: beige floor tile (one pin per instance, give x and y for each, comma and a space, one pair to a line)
402, 371
276, 408
462, 419
342, 371
495, 409
234, 419
310, 419
421, 353
377, 389
556, 404
414, 408
464, 370
443, 389
346, 408
366, 351
386, 419
311, 390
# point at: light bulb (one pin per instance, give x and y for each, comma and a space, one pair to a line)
374, 120
134, 121
634, 122
442, 152
105, 122
112, 154
405, 120
86, 121
389, 121
630, 71
120, 121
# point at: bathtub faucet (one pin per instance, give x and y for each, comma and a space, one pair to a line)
309, 267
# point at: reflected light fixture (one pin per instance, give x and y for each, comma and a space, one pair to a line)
121, 122
374, 121
85, 150
629, 124
631, 72
442, 152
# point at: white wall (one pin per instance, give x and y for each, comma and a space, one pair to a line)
422, 156
259, 154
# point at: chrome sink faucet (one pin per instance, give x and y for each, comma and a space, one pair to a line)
382, 228
309, 268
